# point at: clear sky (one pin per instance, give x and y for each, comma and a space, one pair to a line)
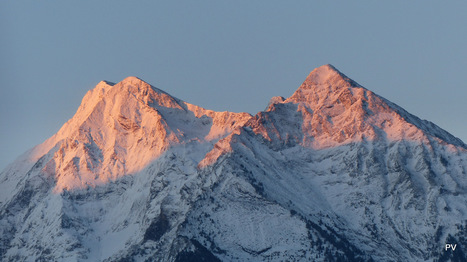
225, 55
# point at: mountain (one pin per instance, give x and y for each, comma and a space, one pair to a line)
332, 173
120, 128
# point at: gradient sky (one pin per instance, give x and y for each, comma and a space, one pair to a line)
225, 55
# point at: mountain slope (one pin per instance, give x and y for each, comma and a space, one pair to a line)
332, 173
336, 149
120, 128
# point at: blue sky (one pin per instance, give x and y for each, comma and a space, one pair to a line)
225, 55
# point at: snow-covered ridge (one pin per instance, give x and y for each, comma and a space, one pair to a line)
332, 173
329, 110
328, 93
120, 128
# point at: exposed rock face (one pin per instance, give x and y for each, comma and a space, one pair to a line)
332, 173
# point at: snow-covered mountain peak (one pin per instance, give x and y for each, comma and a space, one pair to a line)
333, 173
322, 82
146, 93
346, 111
330, 110
104, 83
120, 128
133, 80
324, 74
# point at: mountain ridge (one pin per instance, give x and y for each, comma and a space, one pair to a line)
332, 173
334, 109
127, 118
